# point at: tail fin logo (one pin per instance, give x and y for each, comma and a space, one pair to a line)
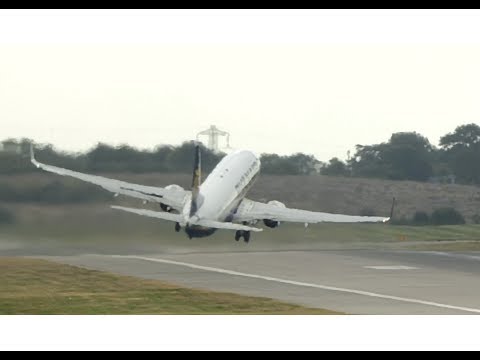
196, 180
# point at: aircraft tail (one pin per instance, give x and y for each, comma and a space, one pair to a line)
196, 181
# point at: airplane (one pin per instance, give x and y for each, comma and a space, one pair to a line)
217, 203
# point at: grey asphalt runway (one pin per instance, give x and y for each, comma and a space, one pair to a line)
351, 281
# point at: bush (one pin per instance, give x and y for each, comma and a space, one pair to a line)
6, 216
420, 218
447, 216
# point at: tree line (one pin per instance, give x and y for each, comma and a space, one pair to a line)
405, 156
124, 158
410, 156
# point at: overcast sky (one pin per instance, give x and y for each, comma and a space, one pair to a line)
284, 82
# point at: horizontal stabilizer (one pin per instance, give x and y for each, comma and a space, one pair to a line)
180, 219
156, 214
225, 225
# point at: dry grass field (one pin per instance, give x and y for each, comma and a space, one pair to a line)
315, 192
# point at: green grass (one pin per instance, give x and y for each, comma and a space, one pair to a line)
33, 286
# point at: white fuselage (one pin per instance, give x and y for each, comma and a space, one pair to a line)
225, 187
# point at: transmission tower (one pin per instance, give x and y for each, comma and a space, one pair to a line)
213, 133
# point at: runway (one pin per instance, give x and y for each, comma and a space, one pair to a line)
351, 281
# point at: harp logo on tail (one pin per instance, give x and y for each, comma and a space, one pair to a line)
196, 181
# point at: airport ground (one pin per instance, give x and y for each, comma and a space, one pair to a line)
353, 269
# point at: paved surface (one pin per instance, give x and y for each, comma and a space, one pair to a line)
352, 281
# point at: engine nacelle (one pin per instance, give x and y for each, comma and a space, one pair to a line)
273, 223
276, 203
166, 207
174, 187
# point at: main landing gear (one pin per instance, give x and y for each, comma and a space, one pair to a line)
244, 234
177, 227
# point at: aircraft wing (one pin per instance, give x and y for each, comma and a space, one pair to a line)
252, 210
174, 198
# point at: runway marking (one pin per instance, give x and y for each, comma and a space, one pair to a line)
454, 255
391, 267
298, 283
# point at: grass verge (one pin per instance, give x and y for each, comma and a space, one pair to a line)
34, 286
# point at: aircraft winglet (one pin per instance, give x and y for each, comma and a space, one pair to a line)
32, 156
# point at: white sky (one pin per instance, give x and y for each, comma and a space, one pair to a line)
316, 82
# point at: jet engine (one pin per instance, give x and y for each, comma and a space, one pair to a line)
273, 223
166, 207
174, 187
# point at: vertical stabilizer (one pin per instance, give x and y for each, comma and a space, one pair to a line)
196, 180
393, 208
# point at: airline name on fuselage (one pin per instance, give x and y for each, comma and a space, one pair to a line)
246, 175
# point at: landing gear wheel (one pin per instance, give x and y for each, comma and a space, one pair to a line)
238, 235
177, 227
246, 236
